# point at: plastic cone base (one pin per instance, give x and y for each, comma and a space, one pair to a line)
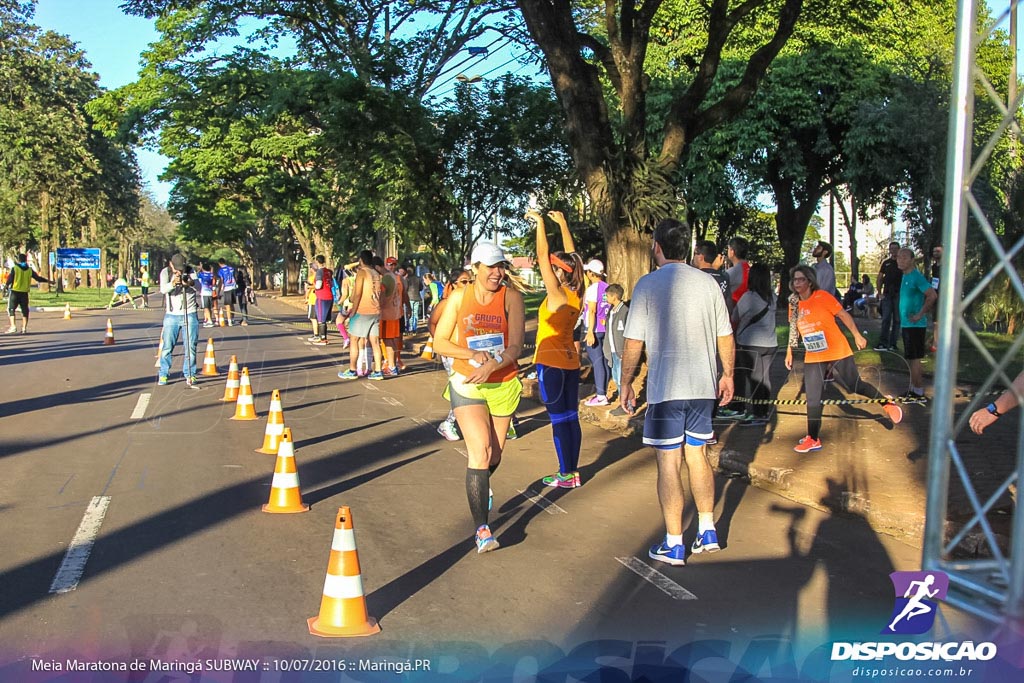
286, 511
267, 451
368, 629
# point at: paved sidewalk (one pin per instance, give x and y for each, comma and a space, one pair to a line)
867, 466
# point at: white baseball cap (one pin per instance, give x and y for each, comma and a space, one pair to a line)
594, 266
488, 253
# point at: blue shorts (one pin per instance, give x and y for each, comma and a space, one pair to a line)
667, 425
121, 291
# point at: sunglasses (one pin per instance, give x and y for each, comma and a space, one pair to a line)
463, 282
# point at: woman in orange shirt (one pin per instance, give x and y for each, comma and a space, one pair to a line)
825, 343
481, 329
557, 359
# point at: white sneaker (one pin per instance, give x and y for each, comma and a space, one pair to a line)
11, 330
449, 431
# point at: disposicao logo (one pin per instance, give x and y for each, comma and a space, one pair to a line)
917, 596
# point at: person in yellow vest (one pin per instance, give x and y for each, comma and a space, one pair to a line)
19, 280
145, 281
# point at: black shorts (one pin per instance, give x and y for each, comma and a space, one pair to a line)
913, 342
208, 302
227, 297
17, 300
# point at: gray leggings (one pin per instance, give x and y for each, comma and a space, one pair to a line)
845, 372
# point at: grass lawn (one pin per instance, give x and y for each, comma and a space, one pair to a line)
80, 298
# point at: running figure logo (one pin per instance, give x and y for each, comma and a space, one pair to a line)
917, 596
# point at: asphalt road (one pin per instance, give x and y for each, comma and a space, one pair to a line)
186, 566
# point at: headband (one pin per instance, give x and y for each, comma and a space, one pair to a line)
555, 261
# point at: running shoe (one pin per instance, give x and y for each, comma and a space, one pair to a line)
894, 412
348, 374
192, 383
344, 344
162, 381
882, 347
388, 372
320, 342
448, 430
376, 376
753, 421
207, 324
312, 338
674, 555
563, 481
726, 414
807, 444
596, 401
706, 542
511, 434
11, 330
231, 323
485, 542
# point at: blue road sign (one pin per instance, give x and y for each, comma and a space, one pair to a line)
82, 259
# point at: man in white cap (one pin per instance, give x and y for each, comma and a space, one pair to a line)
595, 315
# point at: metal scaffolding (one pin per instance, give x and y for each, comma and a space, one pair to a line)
990, 587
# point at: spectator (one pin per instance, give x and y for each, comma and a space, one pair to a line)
889, 279
228, 291
824, 271
756, 343
917, 297
145, 281
364, 324
1006, 402
867, 294
323, 280
707, 260
736, 253
614, 338
206, 284
595, 312
392, 303
682, 381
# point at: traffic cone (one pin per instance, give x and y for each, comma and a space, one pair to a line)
67, 311
109, 338
231, 389
275, 426
210, 362
428, 349
244, 408
221, 320
343, 607
285, 496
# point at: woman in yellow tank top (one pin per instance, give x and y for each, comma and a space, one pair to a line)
557, 360
481, 329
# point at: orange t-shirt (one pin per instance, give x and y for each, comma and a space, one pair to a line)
484, 328
555, 346
816, 321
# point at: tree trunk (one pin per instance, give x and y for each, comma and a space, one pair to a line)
290, 281
791, 222
45, 243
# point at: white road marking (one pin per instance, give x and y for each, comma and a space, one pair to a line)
77, 554
659, 580
140, 407
391, 400
419, 420
463, 451
542, 502
369, 385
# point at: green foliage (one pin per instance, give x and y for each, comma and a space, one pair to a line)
1000, 304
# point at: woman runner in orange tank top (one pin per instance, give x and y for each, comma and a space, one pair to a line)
481, 329
557, 359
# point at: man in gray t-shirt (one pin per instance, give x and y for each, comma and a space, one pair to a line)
682, 380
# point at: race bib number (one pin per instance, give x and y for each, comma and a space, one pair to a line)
815, 341
493, 344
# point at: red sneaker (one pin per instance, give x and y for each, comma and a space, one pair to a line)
894, 412
807, 444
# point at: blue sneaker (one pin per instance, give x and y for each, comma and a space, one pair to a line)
348, 374
675, 556
485, 542
376, 376
706, 542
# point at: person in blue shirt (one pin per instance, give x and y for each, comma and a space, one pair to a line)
228, 289
205, 279
917, 297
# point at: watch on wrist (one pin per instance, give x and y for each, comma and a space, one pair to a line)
991, 408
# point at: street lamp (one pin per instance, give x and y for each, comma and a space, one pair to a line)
463, 78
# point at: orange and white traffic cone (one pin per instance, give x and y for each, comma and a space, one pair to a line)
109, 338
244, 407
67, 311
275, 426
221, 320
231, 389
210, 362
285, 496
343, 607
428, 349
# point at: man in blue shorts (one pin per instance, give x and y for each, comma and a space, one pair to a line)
682, 381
